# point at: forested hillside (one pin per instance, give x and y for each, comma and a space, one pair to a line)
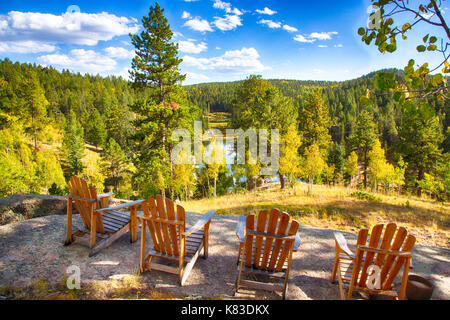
55, 124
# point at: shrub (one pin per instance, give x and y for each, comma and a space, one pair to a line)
364, 196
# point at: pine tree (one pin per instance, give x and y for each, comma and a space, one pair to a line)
420, 136
315, 122
73, 145
155, 67
96, 131
115, 163
36, 104
156, 63
363, 139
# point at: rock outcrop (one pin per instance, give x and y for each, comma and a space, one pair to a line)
23, 206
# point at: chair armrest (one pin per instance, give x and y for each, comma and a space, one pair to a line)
200, 223
105, 195
240, 229
297, 242
342, 244
80, 198
120, 206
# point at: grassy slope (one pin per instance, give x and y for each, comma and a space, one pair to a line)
335, 208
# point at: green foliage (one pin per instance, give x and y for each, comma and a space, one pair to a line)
117, 167
96, 129
420, 137
55, 190
362, 139
419, 83
290, 158
155, 67
48, 170
364, 196
156, 63
314, 122
259, 105
73, 146
351, 164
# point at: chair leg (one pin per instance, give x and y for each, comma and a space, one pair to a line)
142, 258
235, 290
206, 241
285, 290
69, 238
335, 267
341, 284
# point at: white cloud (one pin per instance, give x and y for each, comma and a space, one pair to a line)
241, 61
177, 34
218, 4
322, 35
318, 71
190, 47
72, 28
26, 47
80, 60
301, 38
322, 46
185, 15
271, 24
119, 53
199, 24
237, 12
192, 76
229, 22
289, 28
266, 11
338, 45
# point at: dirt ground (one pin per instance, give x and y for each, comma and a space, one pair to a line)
33, 249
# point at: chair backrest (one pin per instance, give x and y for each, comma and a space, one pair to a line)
388, 251
79, 187
166, 226
269, 240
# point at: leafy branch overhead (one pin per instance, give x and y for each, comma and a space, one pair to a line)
419, 81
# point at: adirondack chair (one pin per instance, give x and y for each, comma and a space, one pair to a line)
265, 248
102, 225
376, 262
171, 241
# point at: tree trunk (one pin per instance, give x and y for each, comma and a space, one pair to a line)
282, 181
215, 185
420, 176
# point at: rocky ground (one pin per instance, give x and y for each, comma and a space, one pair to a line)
33, 249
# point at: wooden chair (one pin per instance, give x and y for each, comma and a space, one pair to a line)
102, 225
379, 258
266, 248
171, 240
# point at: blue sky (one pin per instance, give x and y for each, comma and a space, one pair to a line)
218, 40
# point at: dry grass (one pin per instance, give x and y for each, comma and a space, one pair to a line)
334, 207
126, 286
